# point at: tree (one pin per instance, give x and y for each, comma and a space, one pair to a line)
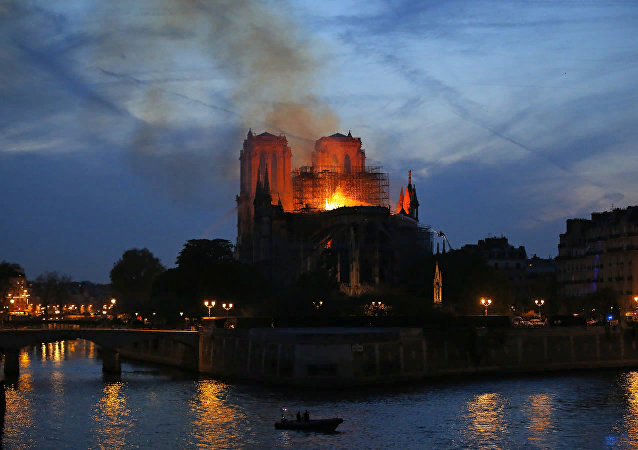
8, 271
199, 253
207, 270
311, 287
52, 289
132, 279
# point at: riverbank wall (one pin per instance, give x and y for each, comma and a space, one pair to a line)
337, 357
164, 351
345, 356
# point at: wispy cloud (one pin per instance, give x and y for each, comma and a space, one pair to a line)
513, 114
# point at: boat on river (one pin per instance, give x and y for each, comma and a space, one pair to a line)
322, 425
288, 422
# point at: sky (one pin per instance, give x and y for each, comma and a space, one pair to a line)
121, 122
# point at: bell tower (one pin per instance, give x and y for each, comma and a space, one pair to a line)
261, 154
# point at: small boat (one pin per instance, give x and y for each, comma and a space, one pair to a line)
322, 425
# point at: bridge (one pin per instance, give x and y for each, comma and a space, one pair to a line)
110, 340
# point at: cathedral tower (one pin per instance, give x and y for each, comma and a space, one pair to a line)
261, 154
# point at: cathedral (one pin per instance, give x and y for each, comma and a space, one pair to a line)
333, 215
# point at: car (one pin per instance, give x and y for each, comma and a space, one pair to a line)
537, 323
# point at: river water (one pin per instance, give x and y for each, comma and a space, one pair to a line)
62, 400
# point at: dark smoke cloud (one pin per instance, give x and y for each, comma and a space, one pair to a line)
181, 136
273, 66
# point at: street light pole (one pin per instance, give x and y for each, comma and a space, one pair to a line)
539, 303
486, 302
209, 305
227, 307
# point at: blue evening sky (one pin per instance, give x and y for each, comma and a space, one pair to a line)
121, 122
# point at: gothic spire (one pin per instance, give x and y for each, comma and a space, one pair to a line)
258, 187
400, 204
266, 181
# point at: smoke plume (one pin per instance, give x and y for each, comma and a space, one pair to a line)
178, 82
272, 66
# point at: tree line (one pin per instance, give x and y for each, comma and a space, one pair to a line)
206, 270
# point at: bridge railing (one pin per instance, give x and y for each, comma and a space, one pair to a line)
73, 325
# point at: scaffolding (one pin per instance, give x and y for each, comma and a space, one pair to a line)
313, 186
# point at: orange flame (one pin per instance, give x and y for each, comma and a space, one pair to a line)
339, 200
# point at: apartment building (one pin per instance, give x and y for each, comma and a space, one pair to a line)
601, 252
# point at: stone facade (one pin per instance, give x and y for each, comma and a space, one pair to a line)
265, 153
601, 252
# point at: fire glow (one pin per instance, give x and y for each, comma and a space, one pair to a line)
339, 200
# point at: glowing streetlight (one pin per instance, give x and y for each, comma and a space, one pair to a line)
376, 308
318, 304
209, 305
227, 307
539, 303
486, 302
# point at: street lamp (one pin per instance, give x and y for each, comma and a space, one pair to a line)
377, 307
209, 305
227, 307
539, 303
318, 304
486, 302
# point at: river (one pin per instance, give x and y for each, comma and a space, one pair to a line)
62, 400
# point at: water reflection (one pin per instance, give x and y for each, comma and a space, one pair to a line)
58, 384
66, 402
19, 413
24, 359
216, 423
487, 426
112, 417
539, 409
630, 385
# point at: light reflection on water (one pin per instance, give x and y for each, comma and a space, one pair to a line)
539, 410
62, 400
112, 418
487, 427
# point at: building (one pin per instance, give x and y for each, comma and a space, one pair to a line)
17, 301
500, 254
340, 220
601, 252
261, 154
530, 278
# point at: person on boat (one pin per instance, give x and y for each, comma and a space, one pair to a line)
298, 416
306, 416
